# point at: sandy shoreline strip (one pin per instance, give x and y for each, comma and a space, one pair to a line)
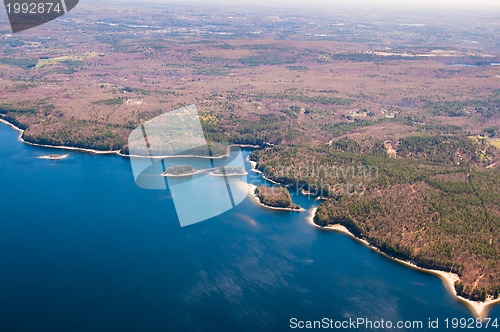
254, 169
478, 309
254, 165
11, 125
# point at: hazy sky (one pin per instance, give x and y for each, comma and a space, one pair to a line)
414, 3
429, 4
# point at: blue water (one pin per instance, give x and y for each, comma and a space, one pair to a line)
82, 248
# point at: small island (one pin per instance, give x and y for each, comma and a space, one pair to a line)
180, 170
229, 170
276, 197
54, 156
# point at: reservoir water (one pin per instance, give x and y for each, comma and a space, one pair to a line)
82, 248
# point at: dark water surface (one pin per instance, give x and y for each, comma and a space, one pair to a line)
82, 248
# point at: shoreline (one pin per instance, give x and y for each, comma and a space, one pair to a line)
251, 192
21, 131
254, 169
478, 309
117, 152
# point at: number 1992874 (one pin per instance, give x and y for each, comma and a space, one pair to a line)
33, 8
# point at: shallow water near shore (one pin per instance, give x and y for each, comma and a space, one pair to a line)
83, 248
